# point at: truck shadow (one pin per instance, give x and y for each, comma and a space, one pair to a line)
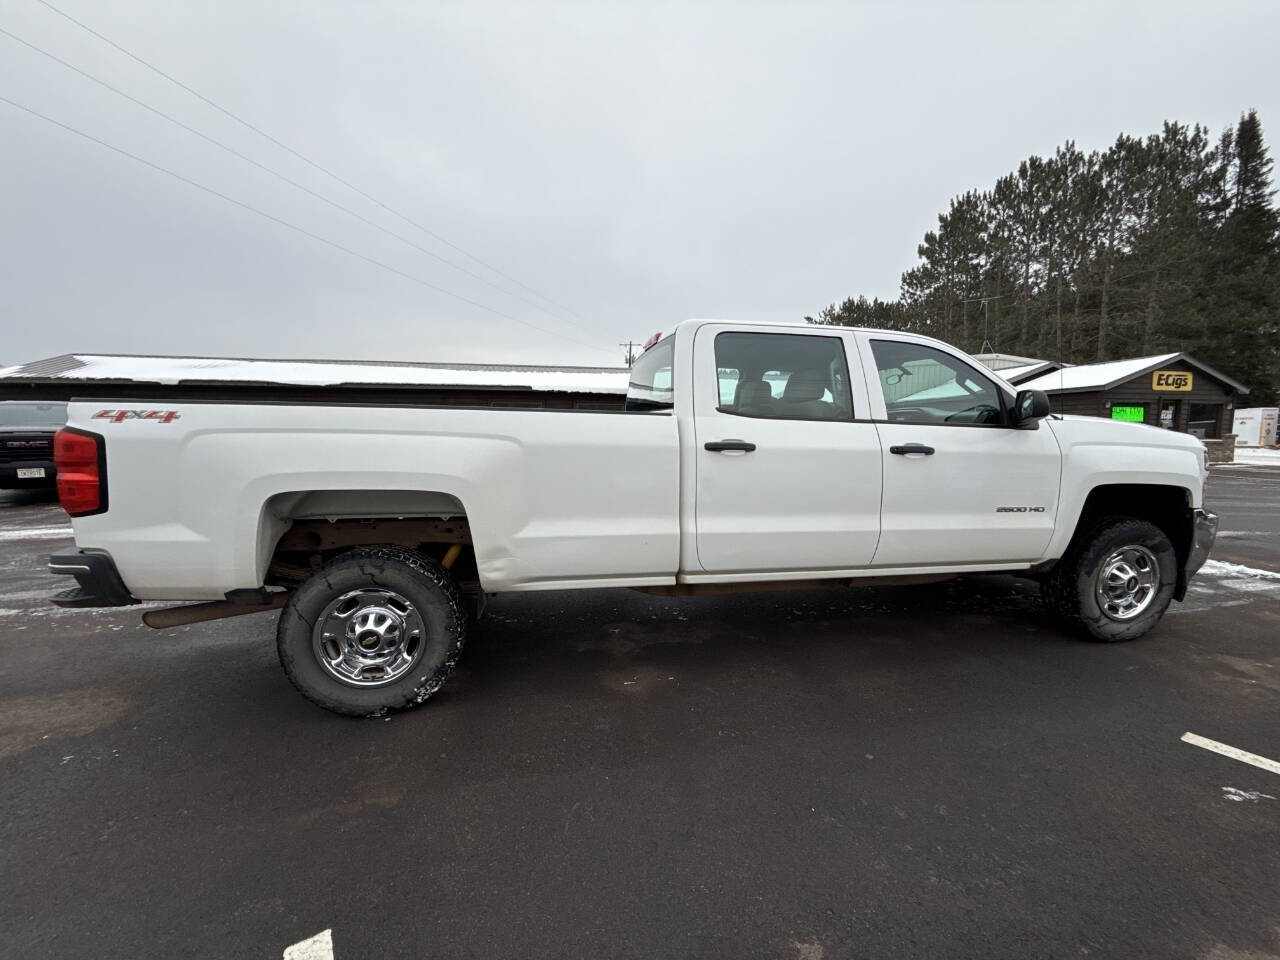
632, 643
32, 496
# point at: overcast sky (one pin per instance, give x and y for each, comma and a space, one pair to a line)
636, 163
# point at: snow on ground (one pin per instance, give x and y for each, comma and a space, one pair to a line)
1261, 456
1220, 568
36, 533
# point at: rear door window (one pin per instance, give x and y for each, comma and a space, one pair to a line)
782, 376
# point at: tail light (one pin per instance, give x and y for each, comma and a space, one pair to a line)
81, 462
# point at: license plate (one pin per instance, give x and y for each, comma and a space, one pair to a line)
30, 473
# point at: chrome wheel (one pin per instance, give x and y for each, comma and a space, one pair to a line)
1127, 582
369, 637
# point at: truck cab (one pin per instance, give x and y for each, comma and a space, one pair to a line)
893, 451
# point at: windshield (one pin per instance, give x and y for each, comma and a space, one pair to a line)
20, 415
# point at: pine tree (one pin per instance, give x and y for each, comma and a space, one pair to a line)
1168, 242
1245, 268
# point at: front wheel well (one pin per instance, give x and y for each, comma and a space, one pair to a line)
1166, 507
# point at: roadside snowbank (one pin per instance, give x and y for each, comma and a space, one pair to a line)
1262, 456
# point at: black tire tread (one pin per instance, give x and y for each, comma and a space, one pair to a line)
372, 561
1060, 590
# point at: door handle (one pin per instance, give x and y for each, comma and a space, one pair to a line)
719, 446
912, 448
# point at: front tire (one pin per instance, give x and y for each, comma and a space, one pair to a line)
1116, 582
375, 630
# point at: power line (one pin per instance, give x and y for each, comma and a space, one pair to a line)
305, 159
286, 223
280, 176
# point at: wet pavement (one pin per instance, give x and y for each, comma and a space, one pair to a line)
909, 772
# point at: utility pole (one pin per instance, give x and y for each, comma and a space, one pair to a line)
630, 347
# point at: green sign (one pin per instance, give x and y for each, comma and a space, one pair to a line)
1134, 414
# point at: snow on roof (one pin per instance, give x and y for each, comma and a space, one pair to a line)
1013, 374
1005, 361
177, 370
1095, 376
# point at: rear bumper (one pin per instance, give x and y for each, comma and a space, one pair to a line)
98, 582
1204, 530
9, 479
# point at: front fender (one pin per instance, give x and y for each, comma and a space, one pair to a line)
1122, 458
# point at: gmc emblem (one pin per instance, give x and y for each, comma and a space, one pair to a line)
27, 444
119, 416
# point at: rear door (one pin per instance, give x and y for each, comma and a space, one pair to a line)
960, 484
788, 477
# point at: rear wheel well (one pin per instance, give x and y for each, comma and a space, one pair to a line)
304, 530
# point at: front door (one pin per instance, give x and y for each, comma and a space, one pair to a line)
960, 486
787, 478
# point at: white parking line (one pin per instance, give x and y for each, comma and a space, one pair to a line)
319, 947
1242, 755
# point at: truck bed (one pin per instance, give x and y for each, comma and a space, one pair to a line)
554, 497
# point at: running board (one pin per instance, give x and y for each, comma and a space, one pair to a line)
760, 586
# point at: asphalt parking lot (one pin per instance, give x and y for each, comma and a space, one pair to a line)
920, 772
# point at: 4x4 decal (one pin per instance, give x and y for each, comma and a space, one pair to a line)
119, 416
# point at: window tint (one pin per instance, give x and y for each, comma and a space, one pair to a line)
728, 380
924, 385
650, 386
783, 376
23, 415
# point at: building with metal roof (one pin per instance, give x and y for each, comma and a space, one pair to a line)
1172, 390
1000, 362
1016, 370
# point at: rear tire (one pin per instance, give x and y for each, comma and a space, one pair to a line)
375, 630
1115, 582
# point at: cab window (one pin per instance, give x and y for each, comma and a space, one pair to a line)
924, 385
782, 376
651, 385
26, 415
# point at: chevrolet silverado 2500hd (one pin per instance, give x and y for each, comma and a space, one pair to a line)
746, 455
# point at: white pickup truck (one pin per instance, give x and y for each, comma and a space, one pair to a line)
746, 456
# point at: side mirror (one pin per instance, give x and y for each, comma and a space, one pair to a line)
1028, 407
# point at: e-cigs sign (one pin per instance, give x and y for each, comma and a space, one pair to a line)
1171, 381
